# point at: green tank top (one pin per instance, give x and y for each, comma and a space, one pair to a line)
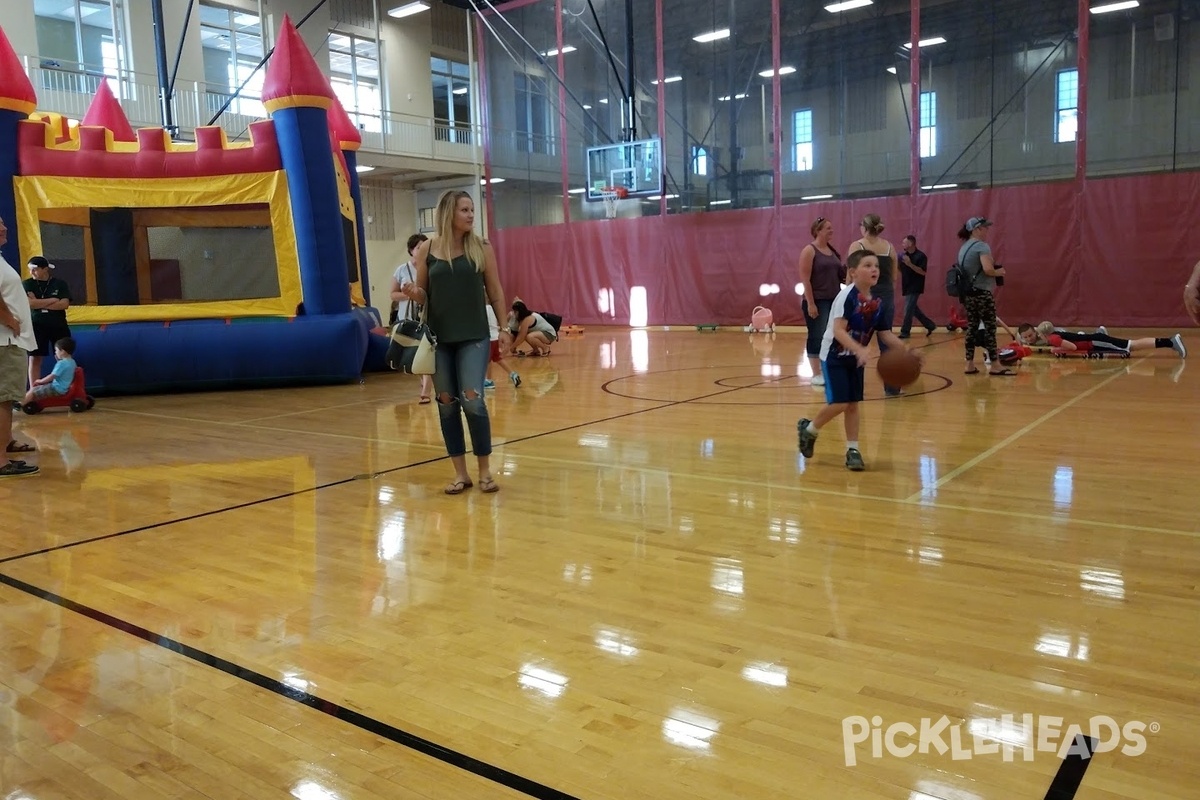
456, 301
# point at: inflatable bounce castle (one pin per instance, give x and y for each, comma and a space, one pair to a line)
200, 265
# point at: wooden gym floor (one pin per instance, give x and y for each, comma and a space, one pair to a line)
266, 594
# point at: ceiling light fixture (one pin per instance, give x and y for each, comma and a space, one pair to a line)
1110, 7
408, 9
926, 42
847, 6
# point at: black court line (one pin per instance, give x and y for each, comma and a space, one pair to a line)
335, 710
343, 481
1070, 773
817, 399
401, 737
423, 462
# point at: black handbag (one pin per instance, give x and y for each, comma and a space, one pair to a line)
413, 347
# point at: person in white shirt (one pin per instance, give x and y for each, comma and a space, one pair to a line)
16, 340
497, 357
402, 306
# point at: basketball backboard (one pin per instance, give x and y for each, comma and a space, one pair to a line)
637, 166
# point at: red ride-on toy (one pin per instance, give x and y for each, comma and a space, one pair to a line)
958, 319
76, 398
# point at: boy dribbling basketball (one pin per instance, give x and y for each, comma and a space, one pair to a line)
856, 316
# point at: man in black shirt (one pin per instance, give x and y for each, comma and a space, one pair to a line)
913, 264
49, 299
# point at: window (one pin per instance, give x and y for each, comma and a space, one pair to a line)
802, 140
1066, 105
451, 100
928, 124
428, 219
232, 45
354, 75
535, 133
699, 160
79, 42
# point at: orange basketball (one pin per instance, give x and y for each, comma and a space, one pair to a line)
898, 367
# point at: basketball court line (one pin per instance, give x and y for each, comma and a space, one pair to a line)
342, 481
175, 417
1071, 771
439, 752
991, 451
784, 487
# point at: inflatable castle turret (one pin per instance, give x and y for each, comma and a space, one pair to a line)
298, 97
348, 140
198, 265
17, 102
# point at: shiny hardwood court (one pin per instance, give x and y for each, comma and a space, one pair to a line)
266, 594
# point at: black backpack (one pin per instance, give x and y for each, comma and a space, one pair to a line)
554, 319
958, 282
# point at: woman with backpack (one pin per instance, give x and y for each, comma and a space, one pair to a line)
976, 262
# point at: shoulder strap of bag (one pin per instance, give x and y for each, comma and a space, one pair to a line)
964, 258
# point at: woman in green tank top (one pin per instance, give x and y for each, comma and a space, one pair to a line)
456, 277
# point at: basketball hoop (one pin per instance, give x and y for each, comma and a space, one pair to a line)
610, 195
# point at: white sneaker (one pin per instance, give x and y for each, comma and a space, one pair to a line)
1178, 345
1103, 331
818, 380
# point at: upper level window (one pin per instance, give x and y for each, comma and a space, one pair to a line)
79, 42
1066, 105
451, 100
354, 74
232, 45
535, 126
802, 140
928, 124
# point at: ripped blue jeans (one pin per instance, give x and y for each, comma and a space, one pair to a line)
461, 368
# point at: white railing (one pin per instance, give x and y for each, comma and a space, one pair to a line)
68, 89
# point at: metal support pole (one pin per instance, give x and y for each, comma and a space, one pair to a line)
164, 73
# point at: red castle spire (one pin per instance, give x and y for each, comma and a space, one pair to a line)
106, 112
293, 78
344, 132
16, 92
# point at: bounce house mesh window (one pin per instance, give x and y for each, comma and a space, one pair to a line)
218, 263
121, 256
63, 246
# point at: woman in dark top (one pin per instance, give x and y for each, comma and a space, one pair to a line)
889, 274
456, 277
821, 276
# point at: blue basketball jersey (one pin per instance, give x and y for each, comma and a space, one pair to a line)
863, 315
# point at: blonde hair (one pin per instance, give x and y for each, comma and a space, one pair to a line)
1045, 329
872, 224
444, 217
